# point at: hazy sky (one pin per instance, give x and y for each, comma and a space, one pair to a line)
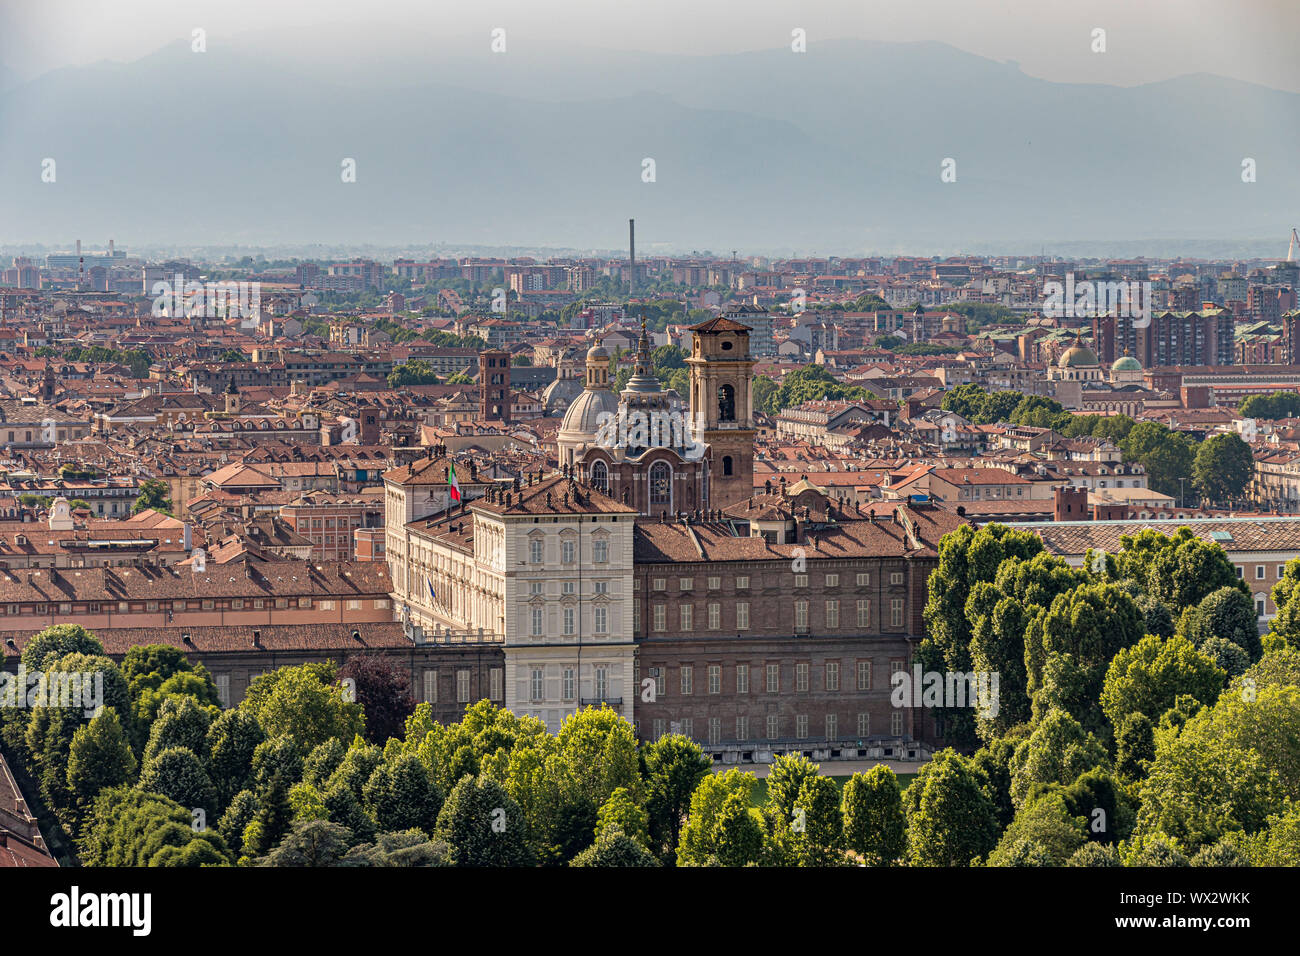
1147, 40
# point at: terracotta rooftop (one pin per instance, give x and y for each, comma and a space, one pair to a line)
1233, 534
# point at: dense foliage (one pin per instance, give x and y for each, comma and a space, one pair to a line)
1141, 721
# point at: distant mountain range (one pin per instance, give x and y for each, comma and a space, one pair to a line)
837, 150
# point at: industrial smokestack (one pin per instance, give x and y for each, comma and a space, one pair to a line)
78, 247
110, 248
631, 251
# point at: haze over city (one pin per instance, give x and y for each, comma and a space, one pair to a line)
539, 142
538, 436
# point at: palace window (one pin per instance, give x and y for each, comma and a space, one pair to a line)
864, 675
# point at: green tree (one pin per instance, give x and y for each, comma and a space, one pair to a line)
1285, 625
950, 819
1102, 799
819, 829
1030, 406
993, 760
764, 393
131, 827
1150, 676
181, 723
99, 757
311, 843
154, 495
1069, 646
1047, 826
303, 701
1095, 854
155, 672
721, 824
236, 819
273, 818
321, 763
672, 767
613, 847
232, 740
1057, 751
1135, 745
56, 641
599, 747
400, 848
1201, 787
1228, 613
177, 774
483, 826
1165, 455
737, 834
52, 725
413, 372
968, 557
1271, 407
874, 825
787, 776
400, 795
815, 383
621, 811
1223, 467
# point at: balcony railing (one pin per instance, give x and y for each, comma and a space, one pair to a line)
597, 701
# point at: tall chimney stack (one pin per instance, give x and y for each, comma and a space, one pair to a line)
110, 248
631, 252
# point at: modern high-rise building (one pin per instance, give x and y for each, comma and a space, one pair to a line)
1168, 338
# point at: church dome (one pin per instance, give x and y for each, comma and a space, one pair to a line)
1078, 355
584, 415
597, 353
1126, 363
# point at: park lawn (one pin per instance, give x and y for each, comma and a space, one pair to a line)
759, 793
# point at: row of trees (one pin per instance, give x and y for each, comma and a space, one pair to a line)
808, 384
1218, 468
137, 360
1271, 407
1141, 719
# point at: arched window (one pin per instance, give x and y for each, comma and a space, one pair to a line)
726, 464
661, 485
600, 476
726, 403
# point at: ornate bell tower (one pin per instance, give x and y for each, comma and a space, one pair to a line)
722, 377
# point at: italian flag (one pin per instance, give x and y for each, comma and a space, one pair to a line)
451, 480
